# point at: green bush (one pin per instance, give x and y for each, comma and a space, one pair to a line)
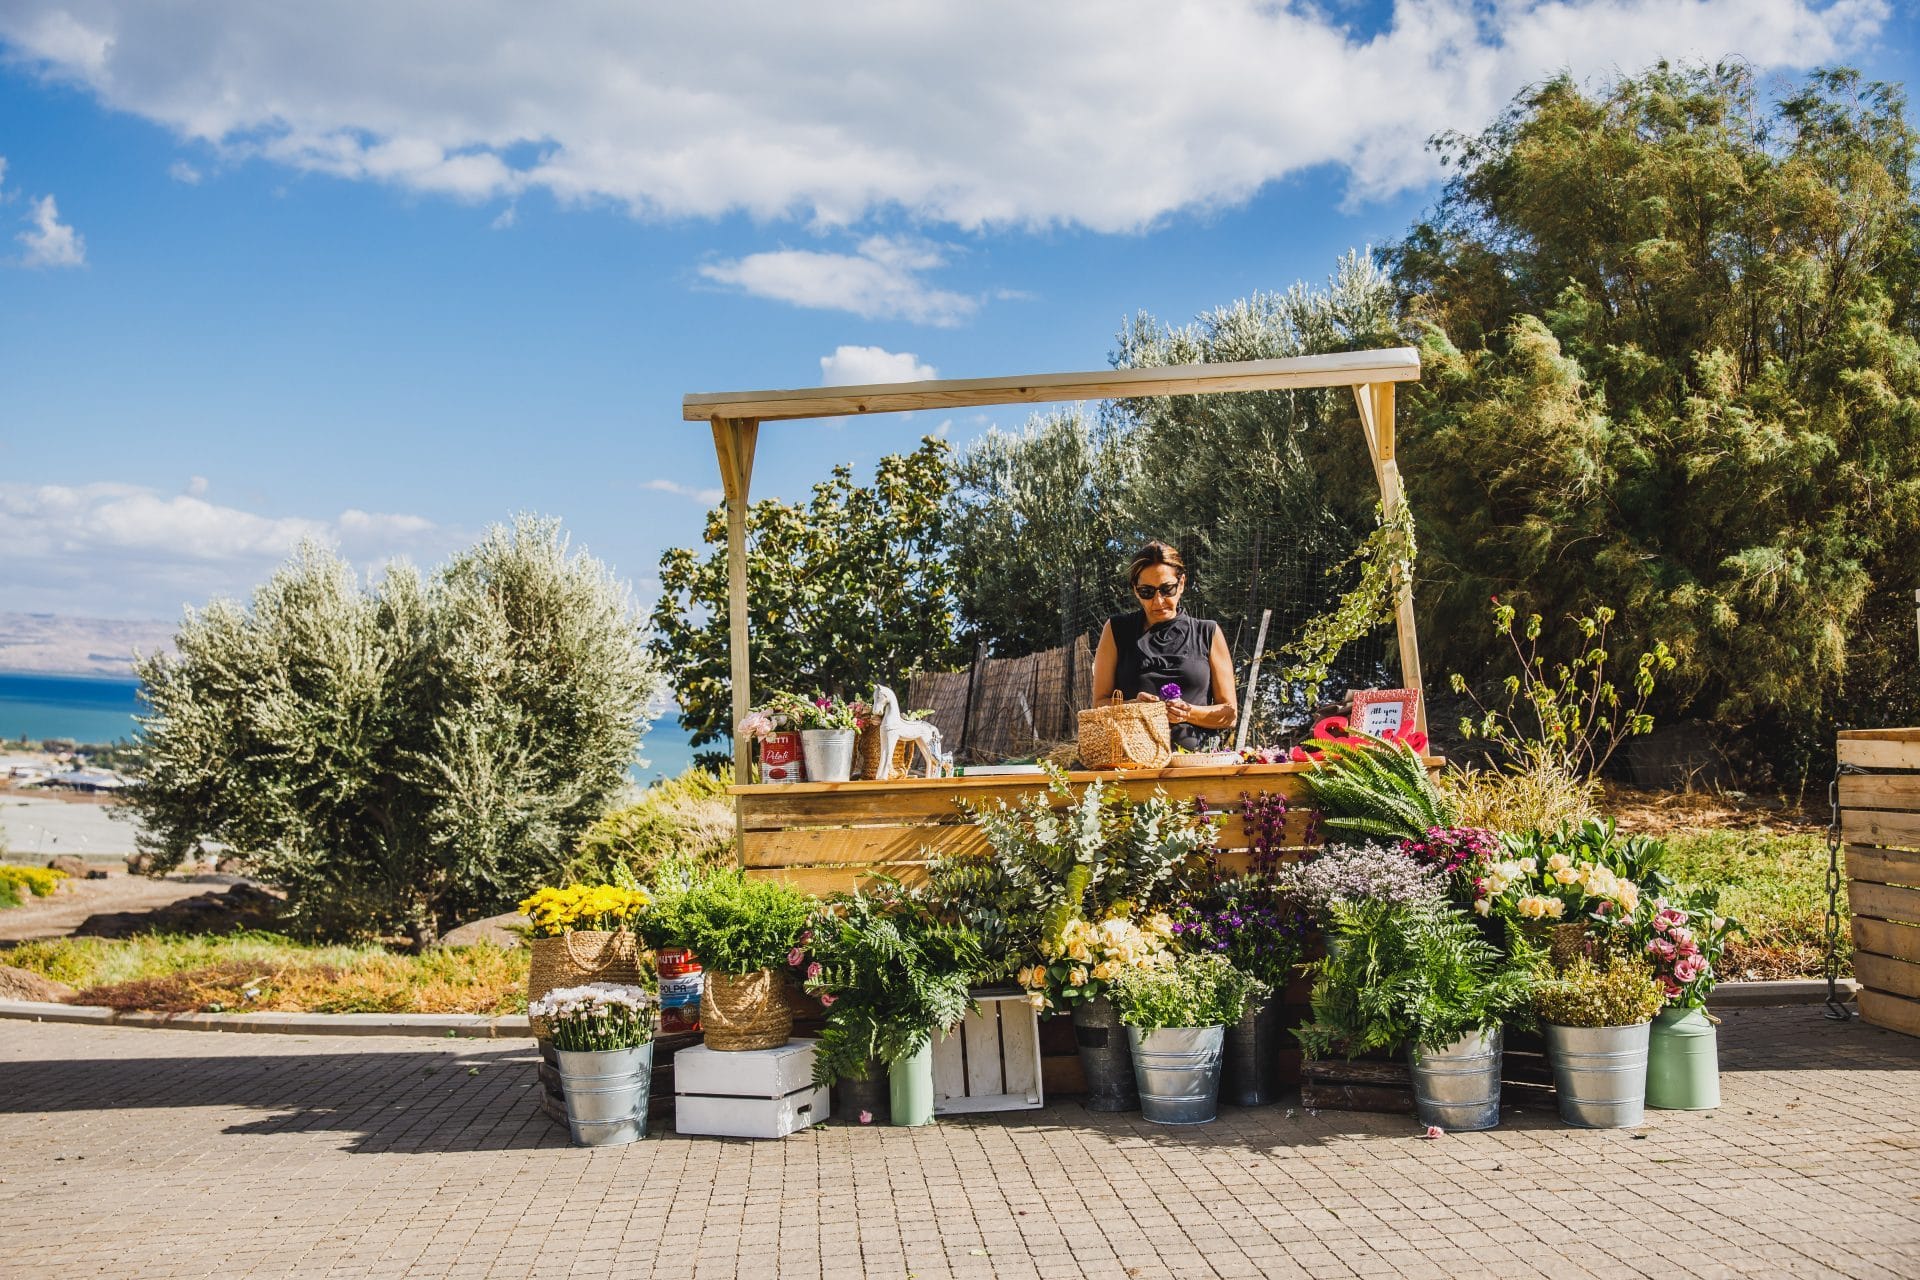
1620, 995
1193, 991
687, 819
735, 925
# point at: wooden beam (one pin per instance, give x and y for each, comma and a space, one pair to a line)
733, 441
1346, 368
1392, 498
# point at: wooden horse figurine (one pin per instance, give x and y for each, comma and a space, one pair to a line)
895, 729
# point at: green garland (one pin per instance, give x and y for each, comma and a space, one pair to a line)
1386, 558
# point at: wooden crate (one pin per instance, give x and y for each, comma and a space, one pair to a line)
991, 1061
1880, 821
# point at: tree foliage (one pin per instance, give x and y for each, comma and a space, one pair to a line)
404, 755
849, 589
1670, 343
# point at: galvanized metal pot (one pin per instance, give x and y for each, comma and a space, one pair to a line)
1178, 1073
1458, 1087
606, 1093
1250, 1076
1683, 1061
829, 754
1106, 1060
1600, 1074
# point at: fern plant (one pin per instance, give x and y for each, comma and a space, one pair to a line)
890, 973
1409, 973
1372, 788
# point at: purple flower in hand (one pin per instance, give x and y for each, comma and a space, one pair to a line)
1170, 691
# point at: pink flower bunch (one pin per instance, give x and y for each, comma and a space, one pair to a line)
1468, 851
1676, 954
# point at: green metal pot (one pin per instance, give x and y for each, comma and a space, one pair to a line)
910, 1080
1683, 1062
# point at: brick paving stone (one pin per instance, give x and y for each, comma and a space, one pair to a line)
132, 1152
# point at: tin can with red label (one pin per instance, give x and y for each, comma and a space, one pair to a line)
780, 758
680, 984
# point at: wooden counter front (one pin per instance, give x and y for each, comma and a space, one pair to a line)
824, 837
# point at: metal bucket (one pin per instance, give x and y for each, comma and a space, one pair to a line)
606, 1092
1600, 1074
829, 754
1178, 1072
1105, 1058
1250, 1075
1458, 1087
1683, 1062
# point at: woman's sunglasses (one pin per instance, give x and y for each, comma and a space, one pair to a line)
1166, 591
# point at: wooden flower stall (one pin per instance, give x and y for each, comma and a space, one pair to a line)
1880, 821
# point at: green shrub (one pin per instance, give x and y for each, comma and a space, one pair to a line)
1192, 991
1621, 995
687, 818
39, 881
735, 925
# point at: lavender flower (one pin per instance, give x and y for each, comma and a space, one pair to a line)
1169, 691
1359, 872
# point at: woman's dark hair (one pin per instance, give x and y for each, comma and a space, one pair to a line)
1151, 554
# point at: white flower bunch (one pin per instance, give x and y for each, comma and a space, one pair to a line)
599, 1015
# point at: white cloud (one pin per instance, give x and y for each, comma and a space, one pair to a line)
705, 497
506, 218
881, 281
181, 171
51, 242
115, 547
858, 366
1109, 114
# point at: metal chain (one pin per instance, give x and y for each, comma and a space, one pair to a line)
1836, 1007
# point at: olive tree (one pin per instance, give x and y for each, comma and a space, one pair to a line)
400, 754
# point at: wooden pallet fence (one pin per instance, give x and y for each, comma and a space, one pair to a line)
1880, 821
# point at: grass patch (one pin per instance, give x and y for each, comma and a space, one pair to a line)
1773, 883
266, 972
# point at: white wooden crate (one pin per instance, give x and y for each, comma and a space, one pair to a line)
758, 1093
990, 1061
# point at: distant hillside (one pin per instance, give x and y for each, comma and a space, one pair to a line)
50, 645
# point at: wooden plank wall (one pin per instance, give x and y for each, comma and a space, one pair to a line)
829, 837
1880, 821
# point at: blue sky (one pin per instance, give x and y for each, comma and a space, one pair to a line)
356, 272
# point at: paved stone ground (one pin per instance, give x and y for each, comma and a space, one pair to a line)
167, 1153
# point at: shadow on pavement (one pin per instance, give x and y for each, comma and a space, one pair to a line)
405, 1101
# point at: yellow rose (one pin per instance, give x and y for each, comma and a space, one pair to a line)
1556, 908
1481, 906
1559, 862
1106, 971
1038, 999
1076, 977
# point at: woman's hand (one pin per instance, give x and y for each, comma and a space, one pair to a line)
1179, 711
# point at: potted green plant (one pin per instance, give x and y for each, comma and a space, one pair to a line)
828, 727
1683, 939
890, 973
1596, 1021
1420, 976
1176, 1014
1264, 931
603, 1037
743, 930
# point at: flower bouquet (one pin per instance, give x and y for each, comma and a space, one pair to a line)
603, 1040
1683, 939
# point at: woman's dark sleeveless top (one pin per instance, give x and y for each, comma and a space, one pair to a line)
1174, 652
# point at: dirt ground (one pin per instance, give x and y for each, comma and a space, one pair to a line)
75, 901
1659, 813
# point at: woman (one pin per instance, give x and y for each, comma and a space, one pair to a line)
1141, 653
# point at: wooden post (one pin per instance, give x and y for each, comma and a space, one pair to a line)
1375, 401
733, 441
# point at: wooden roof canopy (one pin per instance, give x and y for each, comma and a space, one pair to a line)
736, 417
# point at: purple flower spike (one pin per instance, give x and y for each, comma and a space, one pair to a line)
1170, 691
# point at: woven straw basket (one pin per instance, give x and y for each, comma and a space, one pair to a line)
577, 958
1125, 735
746, 1011
866, 754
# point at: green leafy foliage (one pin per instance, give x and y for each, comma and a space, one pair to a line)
1374, 789
896, 973
1668, 332
398, 757
851, 589
1618, 994
1400, 974
735, 925
1188, 991
687, 818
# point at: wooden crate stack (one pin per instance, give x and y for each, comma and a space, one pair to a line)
1880, 821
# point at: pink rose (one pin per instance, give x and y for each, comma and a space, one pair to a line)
795, 956
1681, 937
1666, 918
1662, 948
866, 1117
1673, 990
813, 970
1687, 968
827, 998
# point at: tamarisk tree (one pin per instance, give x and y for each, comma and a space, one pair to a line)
400, 755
